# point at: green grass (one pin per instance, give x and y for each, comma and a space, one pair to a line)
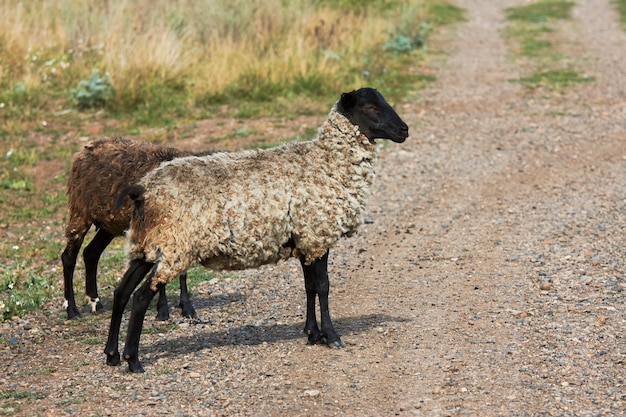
21, 395
556, 78
171, 61
443, 13
541, 11
10, 401
533, 34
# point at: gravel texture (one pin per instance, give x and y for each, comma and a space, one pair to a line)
490, 279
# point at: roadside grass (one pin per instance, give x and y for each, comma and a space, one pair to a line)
620, 5
123, 67
533, 34
168, 61
557, 78
541, 11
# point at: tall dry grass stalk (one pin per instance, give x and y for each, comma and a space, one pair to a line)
203, 48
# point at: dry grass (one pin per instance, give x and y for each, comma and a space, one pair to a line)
203, 51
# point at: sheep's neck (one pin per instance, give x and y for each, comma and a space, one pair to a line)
344, 141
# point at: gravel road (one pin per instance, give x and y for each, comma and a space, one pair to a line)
491, 280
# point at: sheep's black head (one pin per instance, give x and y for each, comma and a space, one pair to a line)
367, 109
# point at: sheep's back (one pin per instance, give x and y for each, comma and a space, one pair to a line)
98, 174
242, 210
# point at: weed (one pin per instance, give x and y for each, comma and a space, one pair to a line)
41, 371
442, 13
160, 328
402, 43
532, 27
541, 11
13, 166
244, 131
21, 395
72, 401
164, 371
94, 340
94, 92
558, 78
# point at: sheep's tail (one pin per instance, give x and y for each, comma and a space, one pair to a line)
135, 192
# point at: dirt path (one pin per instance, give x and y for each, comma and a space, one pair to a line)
490, 282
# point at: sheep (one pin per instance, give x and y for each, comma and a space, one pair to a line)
242, 210
98, 174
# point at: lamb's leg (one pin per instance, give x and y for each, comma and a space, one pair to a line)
69, 263
91, 256
316, 283
136, 271
163, 309
185, 301
141, 301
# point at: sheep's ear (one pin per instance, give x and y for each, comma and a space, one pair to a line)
348, 100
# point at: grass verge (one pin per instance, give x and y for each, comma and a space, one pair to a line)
158, 64
533, 33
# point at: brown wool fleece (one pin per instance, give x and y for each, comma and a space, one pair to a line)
242, 210
99, 172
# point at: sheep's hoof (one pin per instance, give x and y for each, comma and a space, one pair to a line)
163, 314
188, 311
72, 312
337, 344
100, 308
135, 367
315, 337
113, 359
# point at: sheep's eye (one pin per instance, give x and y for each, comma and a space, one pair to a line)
369, 109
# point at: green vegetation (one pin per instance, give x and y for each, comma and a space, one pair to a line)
541, 11
167, 60
90, 68
533, 32
556, 78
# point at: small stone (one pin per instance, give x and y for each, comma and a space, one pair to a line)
312, 393
194, 375
545, 286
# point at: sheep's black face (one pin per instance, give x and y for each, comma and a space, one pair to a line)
367, 109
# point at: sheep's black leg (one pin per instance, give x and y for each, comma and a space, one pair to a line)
163, 310
136, 271
310, 328
69, 263
185, 301
141, 301
91, 256
316, 283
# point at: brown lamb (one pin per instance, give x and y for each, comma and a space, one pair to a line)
99, 172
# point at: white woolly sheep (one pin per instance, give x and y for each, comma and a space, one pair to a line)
98, 174
242, 210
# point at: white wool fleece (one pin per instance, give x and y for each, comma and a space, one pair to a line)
242, 210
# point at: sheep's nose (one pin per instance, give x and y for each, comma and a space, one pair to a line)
404, 131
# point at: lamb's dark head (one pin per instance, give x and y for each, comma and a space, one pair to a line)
367, 109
